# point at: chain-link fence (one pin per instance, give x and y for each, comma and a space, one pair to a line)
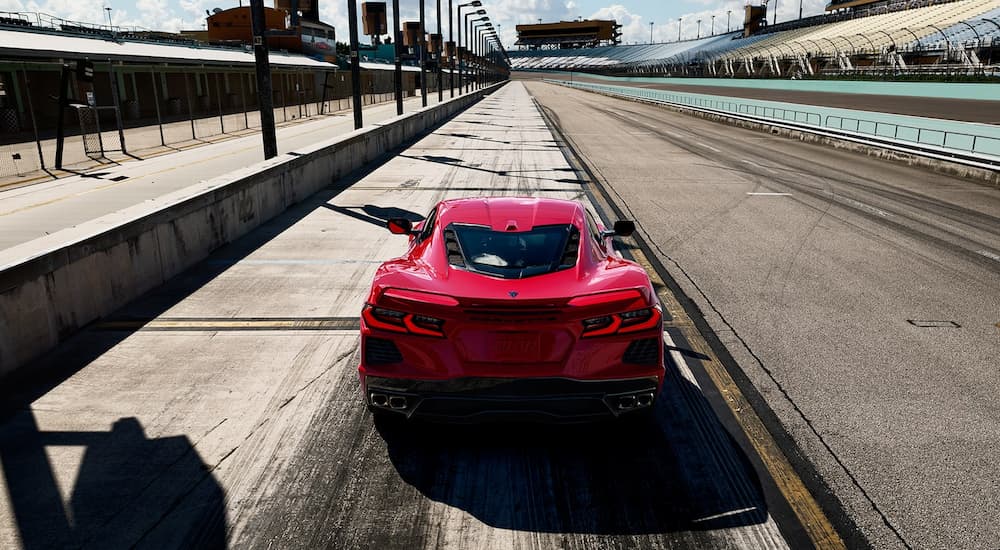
132, 110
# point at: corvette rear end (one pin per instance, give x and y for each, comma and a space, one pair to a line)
575, 342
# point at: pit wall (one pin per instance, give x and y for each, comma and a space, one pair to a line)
52, 287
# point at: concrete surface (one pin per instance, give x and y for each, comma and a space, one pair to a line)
52, 286
218, 431
858, 297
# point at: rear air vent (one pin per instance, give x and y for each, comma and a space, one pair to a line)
381, 352
643, 352
455, 257
572, 247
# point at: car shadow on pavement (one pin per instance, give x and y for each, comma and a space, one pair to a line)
128, 490
374, 215
678, 471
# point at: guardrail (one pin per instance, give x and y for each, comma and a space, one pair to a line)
982, 150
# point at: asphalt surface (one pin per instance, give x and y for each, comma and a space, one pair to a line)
968, 110
859, 297
224, 408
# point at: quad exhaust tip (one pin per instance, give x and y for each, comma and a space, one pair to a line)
384, 401
634, 401
397, 402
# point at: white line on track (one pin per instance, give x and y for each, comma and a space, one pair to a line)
682, 365
865, 207
707, 146
725, 514
989, 255
769, 194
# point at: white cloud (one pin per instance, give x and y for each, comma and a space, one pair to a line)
634, 27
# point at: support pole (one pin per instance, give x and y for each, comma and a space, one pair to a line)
422, 44
454, 47
190, 102
440, 67
31, 111
352, 24
156, 103
116, 104
263, 79
397, 74
61, 116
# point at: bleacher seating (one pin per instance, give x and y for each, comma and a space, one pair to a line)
903, 27
607, 55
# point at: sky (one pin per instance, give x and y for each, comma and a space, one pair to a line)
634, 15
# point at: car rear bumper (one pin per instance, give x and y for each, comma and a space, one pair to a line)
475, 399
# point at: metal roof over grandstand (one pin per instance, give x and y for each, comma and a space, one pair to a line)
53, 45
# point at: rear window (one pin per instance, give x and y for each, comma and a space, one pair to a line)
512, 255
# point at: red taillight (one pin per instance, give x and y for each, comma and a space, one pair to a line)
619, 323
398, 321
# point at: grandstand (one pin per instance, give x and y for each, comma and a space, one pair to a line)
587, 33
917, 36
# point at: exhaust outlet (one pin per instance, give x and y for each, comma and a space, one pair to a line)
644, 399
397, 402
379, 399
626, 402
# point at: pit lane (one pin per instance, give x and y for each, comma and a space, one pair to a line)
223, 408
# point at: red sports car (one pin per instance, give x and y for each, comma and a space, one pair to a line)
510, 307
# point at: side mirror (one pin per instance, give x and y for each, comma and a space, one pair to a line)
399, 226
624, 228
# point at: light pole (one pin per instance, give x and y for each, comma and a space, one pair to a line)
440, 46
468, 49
472, 47
397, 38
481, 32
108, 9
451, 56
458, 44
729, 16
697, 36
352, 24
263, 71
713, 25
679, 19
481, 73
650, 32
422, 52
775, 12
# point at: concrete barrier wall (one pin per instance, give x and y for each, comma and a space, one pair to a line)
51, 287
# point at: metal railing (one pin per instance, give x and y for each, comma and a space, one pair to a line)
962, 141
985, 148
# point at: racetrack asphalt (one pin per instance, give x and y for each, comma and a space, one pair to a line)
968, 110
857, 296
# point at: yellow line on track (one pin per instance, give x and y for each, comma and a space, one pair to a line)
221, 324
817, 526
801, 501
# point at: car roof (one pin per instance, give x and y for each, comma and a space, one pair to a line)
511, 213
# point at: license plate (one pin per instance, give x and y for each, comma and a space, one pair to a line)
516, 346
